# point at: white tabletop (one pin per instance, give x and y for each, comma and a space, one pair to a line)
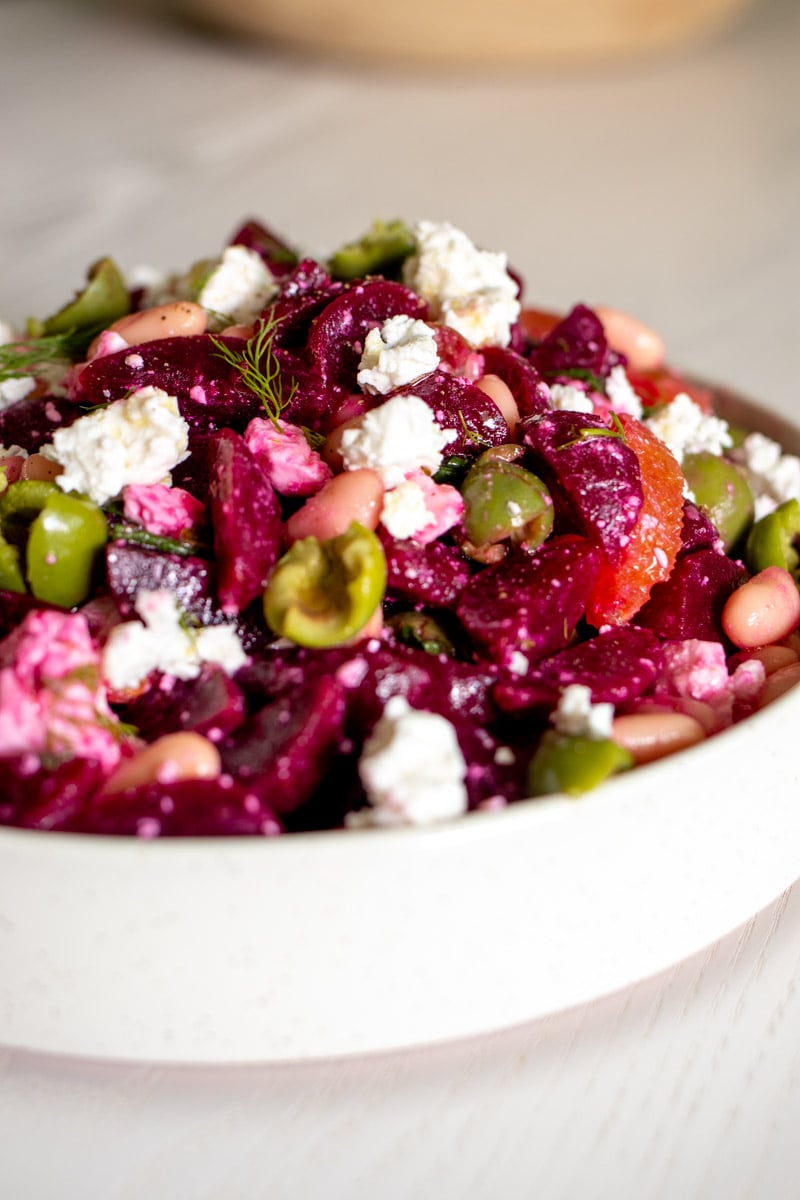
668, 187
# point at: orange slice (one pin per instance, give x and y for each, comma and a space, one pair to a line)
619, 592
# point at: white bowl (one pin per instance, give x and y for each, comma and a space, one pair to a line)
313, 945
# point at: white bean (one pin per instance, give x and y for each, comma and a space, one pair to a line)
764, 610
351, 496
642, 346
651, 735
184, 755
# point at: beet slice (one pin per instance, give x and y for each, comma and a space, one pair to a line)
284, 751
276, 253
246, 517
211, 704
130, 569
620, 664
689, 603
593, 476
186, 808
459, 405
524, 381
336, 339
304, 292
433, 574
577, 344
32, 423
209, 390
46, 799
530, 603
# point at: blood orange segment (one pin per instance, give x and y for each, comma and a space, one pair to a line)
620, 591
661, 386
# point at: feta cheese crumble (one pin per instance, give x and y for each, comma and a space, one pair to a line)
565, 397
398, 437
239, 287
468, 290
412, 769
686, 429
135, 440
576, 716
400, 352
405, 513
774, 477
621, 396
162, 643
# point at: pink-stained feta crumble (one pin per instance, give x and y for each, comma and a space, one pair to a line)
108, 342
52, 701
424, 509
165, 511
293, 466
697, 670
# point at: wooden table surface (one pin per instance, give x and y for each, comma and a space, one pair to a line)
668, 187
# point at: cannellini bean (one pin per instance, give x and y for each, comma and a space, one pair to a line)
36, 466
773, 658
181, 318
779, 682
499, 391
351, 496
240, 331
174, 756
651, 735
642, 346
793, 642
763, 610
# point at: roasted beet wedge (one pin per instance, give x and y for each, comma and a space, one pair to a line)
689, 604
529, 605
618, 665
458, 405
189, 807
246, 517
577, 345
337, 335
592, 474
284, 751
434, 574
32, 423
210, 391
526, 384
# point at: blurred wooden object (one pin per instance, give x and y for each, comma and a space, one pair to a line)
471, 31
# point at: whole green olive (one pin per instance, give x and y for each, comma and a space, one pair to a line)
721, 489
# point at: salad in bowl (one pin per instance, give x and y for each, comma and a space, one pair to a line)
290, 544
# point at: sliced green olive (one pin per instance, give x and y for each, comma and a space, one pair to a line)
573, 765
380, 251
64, 542
104, 299
504, 502
722, 490
20, 504
321, 593
10, 573
770, 542
422, 632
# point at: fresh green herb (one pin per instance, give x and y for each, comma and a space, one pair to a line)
29, 356
153, 541
315, 440
590, 432
453, 470
259, 367
584, 375
469, 433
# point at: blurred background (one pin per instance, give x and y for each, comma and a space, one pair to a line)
648, 160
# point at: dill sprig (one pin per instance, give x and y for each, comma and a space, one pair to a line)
28, 356
259, 367
590, 432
